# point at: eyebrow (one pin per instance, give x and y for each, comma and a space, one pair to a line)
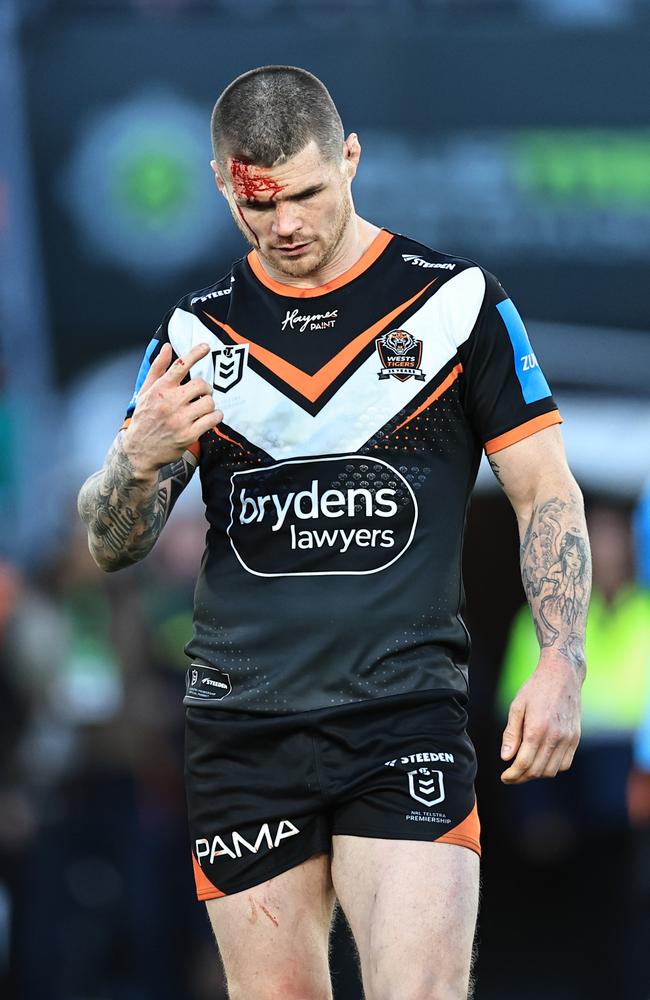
314, 189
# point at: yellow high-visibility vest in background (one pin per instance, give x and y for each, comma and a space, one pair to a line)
617, 687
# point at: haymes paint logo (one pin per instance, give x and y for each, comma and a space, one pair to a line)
350, 514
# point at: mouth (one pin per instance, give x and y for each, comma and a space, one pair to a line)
294, 250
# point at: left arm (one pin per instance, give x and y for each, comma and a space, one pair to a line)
543, 727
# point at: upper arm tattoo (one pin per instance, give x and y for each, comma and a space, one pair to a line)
496, 470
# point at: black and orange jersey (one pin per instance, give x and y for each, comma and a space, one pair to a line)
336, 488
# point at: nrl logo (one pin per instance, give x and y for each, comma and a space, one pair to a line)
229, 365
401, 356
426, 786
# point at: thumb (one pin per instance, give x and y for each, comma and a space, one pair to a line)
158, 367
512, 734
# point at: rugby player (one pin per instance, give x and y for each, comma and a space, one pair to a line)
337, 388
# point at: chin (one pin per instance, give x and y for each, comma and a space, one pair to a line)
301, 267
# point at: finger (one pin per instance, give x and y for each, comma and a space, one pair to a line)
547, 760
181, 366
195, 388
205, 424
200, 407
159, 366
526, 755
512, 734
554, 762
567, 760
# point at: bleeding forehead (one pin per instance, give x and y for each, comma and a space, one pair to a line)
251, 182
254, 183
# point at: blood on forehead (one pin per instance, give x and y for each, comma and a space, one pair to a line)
249, 181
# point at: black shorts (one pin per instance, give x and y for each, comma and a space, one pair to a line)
266, 793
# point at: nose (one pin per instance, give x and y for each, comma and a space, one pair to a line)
286, 219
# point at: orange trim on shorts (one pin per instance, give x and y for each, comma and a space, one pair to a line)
451, 378
376, 248
204, 887
522, 431
313, 386
466, 834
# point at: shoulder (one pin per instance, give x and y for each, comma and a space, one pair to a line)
218, 293
428, 259
420, 255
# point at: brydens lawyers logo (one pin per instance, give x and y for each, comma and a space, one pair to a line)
346, 515
401, 356
229, 365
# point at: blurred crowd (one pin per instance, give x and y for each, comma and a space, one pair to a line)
96, 892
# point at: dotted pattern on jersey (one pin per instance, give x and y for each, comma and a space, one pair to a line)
434, 430
230, 454
371, 476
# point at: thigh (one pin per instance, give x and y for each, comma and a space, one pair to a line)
412, 909
273, 938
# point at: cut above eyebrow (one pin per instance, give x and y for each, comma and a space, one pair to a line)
314, 189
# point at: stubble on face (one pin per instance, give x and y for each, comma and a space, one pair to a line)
324, 248
250, 181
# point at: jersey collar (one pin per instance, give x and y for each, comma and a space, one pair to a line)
376, 248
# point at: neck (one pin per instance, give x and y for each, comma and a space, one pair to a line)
357, 237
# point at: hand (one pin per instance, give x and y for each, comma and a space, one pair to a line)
169, 417
543, 728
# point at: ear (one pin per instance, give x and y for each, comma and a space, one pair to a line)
351, 154
218, 179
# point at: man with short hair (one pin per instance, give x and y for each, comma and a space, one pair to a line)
337, 387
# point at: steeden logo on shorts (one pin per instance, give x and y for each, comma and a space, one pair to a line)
350, 514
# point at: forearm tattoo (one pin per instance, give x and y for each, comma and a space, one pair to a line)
124, 516
556, 573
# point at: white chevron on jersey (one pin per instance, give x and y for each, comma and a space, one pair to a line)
280, 427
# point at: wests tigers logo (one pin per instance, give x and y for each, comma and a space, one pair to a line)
401, 356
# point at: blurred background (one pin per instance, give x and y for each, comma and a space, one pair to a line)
516, 132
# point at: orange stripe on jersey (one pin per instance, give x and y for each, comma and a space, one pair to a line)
436, 394
204, 887
226, 438
313, 386
467, 833
376, 248
522, 431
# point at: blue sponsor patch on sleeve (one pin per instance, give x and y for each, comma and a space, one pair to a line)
531, 378
142, 374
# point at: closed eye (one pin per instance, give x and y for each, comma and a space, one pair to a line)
268, 206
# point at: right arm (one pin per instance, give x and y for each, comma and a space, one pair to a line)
125, 511
126, 504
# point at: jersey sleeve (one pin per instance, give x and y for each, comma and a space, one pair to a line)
507, 397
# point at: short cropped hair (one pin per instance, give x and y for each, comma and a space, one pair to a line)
273, 112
